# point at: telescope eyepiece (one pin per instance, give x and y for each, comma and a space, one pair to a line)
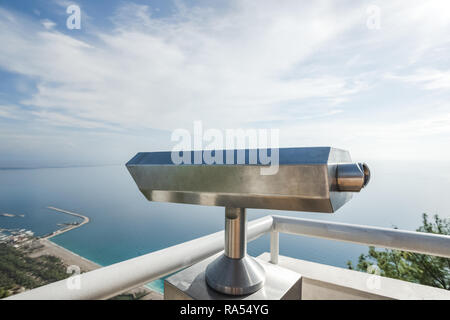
352, 177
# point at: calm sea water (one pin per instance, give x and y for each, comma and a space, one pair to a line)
125, 225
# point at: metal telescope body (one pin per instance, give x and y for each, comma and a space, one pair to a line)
316, 179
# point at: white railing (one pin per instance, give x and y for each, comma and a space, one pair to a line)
112, 280
418, 242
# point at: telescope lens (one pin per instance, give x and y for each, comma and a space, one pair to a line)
365, 169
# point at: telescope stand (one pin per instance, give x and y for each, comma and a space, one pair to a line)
234, 272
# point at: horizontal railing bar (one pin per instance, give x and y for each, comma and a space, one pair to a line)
112, 280
412, 241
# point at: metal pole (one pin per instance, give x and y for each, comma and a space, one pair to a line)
235, 233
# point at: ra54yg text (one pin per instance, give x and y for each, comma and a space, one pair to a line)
228, 309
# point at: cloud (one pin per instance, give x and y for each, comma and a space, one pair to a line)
228, 69
59, 119
428, 79
48, 24
423, 138
9, 112
311, 68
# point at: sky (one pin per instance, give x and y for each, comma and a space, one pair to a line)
371, 77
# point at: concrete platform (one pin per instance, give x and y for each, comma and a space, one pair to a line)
324, 282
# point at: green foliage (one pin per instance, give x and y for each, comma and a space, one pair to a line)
18, 270
413, 267
3, 293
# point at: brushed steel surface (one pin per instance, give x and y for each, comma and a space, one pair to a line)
235, 276
352, 176
306, 181
235, 272
235, 233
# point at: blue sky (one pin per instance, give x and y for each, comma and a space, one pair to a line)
137, 70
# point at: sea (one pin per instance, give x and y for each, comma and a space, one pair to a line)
123, 224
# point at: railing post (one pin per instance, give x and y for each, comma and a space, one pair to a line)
274, 246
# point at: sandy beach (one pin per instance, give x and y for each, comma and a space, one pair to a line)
46, 247
68, 257
36, 247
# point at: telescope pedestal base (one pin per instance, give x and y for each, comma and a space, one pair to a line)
190, 284
235, 276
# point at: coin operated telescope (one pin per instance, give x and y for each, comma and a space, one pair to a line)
317, 179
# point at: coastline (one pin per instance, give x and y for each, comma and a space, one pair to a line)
47, 247
67, 256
